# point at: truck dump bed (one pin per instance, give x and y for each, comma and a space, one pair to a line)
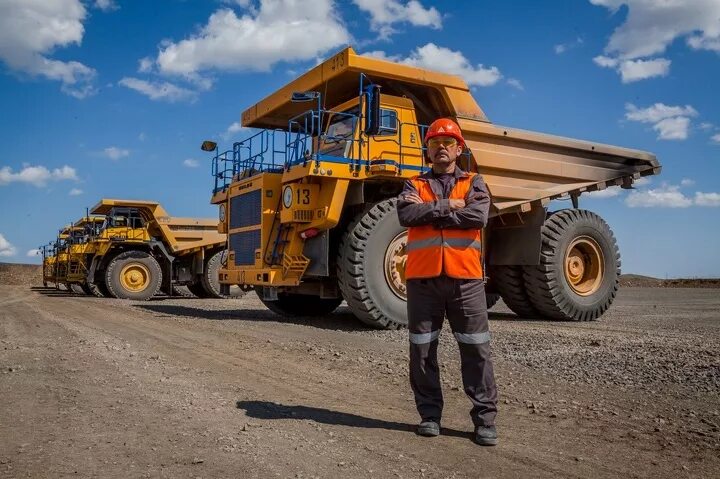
520, 167
181, 235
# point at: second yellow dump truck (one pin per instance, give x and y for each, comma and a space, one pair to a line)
140, 249
72, 266
309, 201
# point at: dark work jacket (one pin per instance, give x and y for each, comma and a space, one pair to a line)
438, 213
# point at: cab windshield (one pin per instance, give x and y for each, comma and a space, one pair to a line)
340, 133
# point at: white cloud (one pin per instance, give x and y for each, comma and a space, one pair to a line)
605, 62
635, 70
281, 30
235, 127
191, 163
106, 5
164, 91
563, 47
36, 175
644, 181
706, 126
515, 83
687, 182
381, 55
385, 13
715, 138
657, 112
115, 153
142, 136
145, 65
30, 30
671, 122
433, 57
234, 130
75, 192
707, 199
610, 192
32, 252
666, 196
651, 26
6, 248
673, 128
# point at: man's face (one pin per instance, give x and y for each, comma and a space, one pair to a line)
443, 150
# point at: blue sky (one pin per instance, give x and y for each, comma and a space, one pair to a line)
112, 98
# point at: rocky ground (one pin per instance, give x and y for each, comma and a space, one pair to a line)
223, 388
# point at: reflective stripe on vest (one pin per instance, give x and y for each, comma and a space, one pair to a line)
455, 252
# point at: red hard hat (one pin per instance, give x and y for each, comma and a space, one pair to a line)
445, 127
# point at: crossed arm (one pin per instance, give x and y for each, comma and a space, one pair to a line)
471, 212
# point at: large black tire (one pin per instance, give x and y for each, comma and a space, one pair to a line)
361, 267
210, 281
299, 305
146, 268
98, 289
177, 292
587, 239
196, 289
510, 283
491, 299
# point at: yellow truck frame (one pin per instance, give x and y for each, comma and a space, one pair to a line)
308, 202
49, 271
141, 249
55, 264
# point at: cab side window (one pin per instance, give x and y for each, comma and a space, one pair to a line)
388, 122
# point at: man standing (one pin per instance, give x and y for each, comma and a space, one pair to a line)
445, 210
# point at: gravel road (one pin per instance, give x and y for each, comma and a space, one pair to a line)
223, 388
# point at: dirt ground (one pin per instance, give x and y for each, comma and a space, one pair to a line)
223, 388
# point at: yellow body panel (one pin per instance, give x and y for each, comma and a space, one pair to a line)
180, 235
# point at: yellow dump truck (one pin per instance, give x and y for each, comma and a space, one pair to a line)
49, 260
78, 246
140, 249
308, 202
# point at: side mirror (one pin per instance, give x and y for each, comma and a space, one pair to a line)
208, 145
372, 110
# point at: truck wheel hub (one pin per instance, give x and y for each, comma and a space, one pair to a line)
134, 277
395, 259
584, 265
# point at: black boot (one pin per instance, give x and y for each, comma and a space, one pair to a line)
486, 435
428, 428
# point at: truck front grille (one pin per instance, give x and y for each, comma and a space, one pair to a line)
244, 245
246, 209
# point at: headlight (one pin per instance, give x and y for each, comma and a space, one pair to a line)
222, 213
287, 197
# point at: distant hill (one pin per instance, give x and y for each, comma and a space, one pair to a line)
31, 274
12, 273
636, 280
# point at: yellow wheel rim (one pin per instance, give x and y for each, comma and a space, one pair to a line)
584, 265
135, 277
395, 259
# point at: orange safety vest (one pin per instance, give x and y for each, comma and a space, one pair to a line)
432, 251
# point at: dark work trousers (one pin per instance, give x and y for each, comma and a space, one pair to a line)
463, 302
